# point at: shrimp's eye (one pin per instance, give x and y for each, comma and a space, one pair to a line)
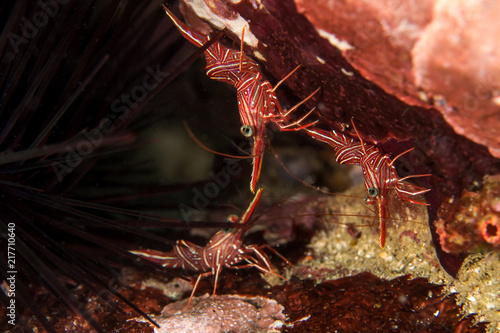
372, 192
233, 218
246, 130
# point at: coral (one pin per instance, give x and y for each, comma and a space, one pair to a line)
335, 254
228, 313
365, 303
476, 288
340, 250
490, 230
471, 223
441, 55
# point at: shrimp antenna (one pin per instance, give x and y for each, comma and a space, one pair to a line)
242, 46
357, 133
198, 142
286, 77
294, 176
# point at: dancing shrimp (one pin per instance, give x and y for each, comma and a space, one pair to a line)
379, 173
224, 249
257, 102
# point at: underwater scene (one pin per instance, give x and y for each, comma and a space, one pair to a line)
250, 166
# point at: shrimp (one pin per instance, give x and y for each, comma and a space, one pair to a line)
379, 173
257, 102
224, 249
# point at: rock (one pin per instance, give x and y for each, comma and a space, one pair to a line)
228, 313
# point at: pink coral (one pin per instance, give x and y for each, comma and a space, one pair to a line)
490, 230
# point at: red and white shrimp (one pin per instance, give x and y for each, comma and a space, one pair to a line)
379, 173
224, 249
257, 102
